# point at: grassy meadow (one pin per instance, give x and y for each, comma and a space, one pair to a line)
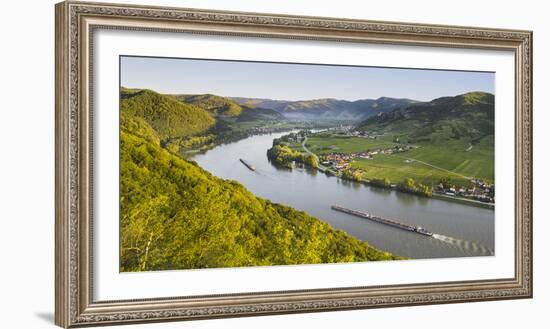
456, 160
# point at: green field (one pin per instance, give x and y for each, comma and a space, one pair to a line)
427, 163
478, 162
396, 169
342, 144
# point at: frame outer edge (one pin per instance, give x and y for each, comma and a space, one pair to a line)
530, 179
73, 309
62, 258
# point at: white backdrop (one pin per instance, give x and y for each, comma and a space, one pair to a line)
110, 284
27, 163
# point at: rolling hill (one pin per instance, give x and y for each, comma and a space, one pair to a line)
225, 108
185, 122
216, 105
452, 137
169, 117
466, 117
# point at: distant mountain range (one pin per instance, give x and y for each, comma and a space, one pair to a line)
328, 108
468, 116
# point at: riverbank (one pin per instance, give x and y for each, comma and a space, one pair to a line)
237, 135
439, 196
470, 202
435, 195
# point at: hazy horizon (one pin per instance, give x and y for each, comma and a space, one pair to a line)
296, 82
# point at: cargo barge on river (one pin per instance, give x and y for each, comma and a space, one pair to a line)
389, 222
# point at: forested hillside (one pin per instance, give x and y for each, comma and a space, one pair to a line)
175, 215
193, 122
226, 108
214, 104
166, 115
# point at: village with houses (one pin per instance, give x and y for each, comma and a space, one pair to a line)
340, 161
477, 190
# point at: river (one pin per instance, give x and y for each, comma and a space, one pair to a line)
461, 230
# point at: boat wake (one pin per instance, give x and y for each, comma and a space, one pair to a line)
467, 246
265, 173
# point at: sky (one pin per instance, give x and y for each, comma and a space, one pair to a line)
296, 81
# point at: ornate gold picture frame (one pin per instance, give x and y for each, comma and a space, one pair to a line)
76, 22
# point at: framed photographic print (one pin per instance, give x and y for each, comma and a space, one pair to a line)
219, 164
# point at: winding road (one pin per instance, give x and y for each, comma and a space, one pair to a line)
319, 165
